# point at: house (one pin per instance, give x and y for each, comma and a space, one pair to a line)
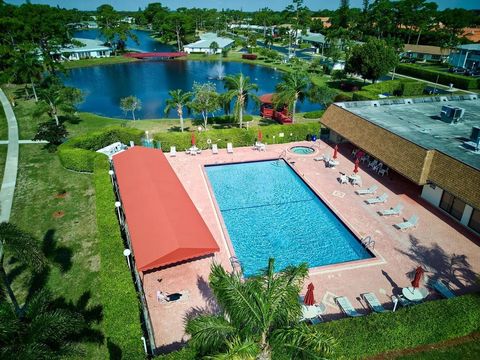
432, 143
466, 56
472, 34
204, 44
90, 49
317, 40
425, 52
324, 19
128, 20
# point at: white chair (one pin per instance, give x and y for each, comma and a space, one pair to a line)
410, 223
229, 148
373, 163
394, 211
354, 152
383, 171
214, 149
357, 180
173, 151
378, 200
377, 167
371, 190
343, 179
365, 158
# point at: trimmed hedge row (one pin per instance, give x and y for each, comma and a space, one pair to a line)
314, 114
121, 306
394, 87
79, 153
427, 323
459, 81
238, 137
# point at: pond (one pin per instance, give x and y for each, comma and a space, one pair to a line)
151, 80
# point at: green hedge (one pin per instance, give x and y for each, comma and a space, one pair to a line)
314, 114
427, 323
394, 87
238, 137
79, 153
121, 306
445, 78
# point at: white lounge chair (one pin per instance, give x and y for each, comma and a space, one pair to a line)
373, 302
371, 190
443, 289
173, 151
377, 200
396, 210
410, 223
320, 158
229, 148
214, 149
346, 306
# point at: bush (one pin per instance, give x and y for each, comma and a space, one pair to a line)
249, 56
314, 114
121, 309
412, 88
392, 87
459, 81
427, 323
238, 137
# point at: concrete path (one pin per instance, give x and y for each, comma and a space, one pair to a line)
6, 142
11, 163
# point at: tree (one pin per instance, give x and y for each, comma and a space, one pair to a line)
239, 88
259, 318
130, 103
372, 59
205, 100
27, 68
323, 95
293, 88
214, 47
178, 100
51, 132
24, 248
112, 27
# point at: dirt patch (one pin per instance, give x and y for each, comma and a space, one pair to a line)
58, 214
61, 195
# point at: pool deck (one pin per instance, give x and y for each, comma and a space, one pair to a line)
443, 247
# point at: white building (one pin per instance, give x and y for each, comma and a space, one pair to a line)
206, 40
90, 49
466, 56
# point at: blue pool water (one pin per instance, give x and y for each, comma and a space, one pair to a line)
269, 211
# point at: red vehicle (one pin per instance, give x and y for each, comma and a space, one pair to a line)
268, 110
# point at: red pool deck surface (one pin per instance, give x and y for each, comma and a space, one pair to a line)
442, 246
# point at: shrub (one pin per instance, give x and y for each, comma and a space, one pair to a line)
427, 323
314, 114
412, 88
392, 87
249, 56
121, 309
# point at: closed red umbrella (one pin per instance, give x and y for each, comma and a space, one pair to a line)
418, 277
359, 154
309, 299
193, 138
355, 169
335, 152
260, 135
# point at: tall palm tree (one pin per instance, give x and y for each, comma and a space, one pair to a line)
239, 88
293, 88
27, 67
178, 100
259, 318
23, 247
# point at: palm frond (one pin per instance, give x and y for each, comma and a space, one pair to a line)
209, 333
238, 349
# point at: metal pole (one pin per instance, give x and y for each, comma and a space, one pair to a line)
118, 205
395, 302
110, 172
144, 345
435, 87
127, 253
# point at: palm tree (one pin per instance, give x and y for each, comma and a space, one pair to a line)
24, 248
259, 318
27, 67
131, 103
293, 88
239, 88
178, 99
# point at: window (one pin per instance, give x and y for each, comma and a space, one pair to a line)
452, 205
474, 222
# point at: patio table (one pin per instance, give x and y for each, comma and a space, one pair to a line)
415, 294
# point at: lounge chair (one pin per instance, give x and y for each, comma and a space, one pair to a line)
396, 210
371, 190
319, 158
373, 303
404, 301
316, 320
443, 289
346, 306
410, 223
229, 148
343, 179
173, 151
214, 149
377, 200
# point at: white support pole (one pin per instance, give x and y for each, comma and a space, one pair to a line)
395, 302
144, 345
110, 172
118, 205
127, 253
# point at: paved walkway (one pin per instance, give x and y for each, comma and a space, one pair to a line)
11, 163
6, 142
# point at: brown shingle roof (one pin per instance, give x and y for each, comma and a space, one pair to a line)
427, 49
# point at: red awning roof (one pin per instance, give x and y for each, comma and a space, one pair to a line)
164, 224
266, 99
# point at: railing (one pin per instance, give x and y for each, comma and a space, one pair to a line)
368, 242
236, 266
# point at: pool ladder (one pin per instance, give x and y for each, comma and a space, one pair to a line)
368, 242
236, 266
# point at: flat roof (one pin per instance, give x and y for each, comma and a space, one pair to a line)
164, 225
420, 122
89, 45
471, 47
207, 39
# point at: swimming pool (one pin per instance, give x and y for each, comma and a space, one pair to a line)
269, 211
302, 150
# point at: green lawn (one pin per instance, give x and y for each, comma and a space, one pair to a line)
3, 156
3, 125
95, 62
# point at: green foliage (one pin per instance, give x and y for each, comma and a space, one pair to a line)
392, 87
51, 132
205, 100
78, 153
427, 323
445, 78
238, 137
314, 114
121, 307
239, 89
293, 87
130, 103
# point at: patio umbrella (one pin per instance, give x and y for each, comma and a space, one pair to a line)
309, 299
418, 277
193, 138
335, 152
355, 169
260, 135
359, 154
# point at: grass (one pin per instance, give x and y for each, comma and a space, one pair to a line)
3, 156
95, 62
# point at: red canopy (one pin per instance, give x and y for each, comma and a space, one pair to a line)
193, 138
164, 225
266, 99
260, 135
335, 152
418, 277
309, 298
355, 169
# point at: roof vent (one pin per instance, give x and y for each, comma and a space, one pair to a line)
474, 142
451, 114
473, 97
443, 98
375, 103
408, 101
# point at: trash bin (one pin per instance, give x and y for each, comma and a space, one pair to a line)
314, 137
309, 137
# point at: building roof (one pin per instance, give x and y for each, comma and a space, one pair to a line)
314, 37
426, 49
470, 47
472, 34
89, 45
207, 39
164, 225
419, 122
